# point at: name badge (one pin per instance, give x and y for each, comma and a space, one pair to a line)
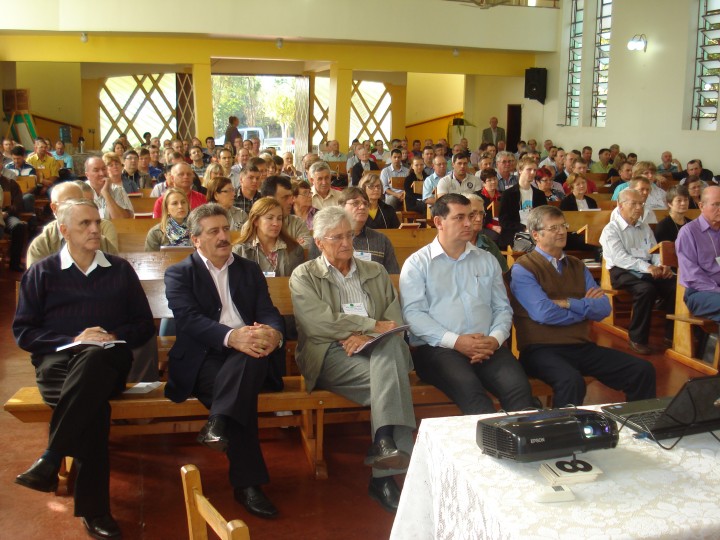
363, 255
639, 253
269, 274
354, 309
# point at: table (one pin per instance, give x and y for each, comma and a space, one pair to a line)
453, 491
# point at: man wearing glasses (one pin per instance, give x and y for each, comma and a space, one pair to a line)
554, 298
506, 170
626, 242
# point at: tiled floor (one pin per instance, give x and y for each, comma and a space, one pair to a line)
146, 489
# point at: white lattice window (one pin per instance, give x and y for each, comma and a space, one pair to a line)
572, 105
707, 67
136, 104
602, 63
320, 125
370, 111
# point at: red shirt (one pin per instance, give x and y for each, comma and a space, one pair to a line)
196, 199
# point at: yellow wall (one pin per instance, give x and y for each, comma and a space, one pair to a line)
54, 89
433, 95
434, 129
91, 112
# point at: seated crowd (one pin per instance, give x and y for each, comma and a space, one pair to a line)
251, 215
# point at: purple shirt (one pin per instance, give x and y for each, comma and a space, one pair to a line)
697, 247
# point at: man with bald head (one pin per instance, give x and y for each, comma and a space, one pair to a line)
112, 200
182, 178
50, 241
698, 251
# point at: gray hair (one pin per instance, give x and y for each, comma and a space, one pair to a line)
537, 216
474, 197
65, 209
84, 186
505, 154
63, 189
317, 167
328, 219
625, 194
194, 220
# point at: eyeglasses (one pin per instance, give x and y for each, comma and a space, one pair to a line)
340, 237
374, 186
357, 203
633, 203
556, 228
227, 191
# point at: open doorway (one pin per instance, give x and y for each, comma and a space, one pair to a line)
514, 127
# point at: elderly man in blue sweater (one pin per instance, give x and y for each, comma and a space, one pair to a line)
73, 297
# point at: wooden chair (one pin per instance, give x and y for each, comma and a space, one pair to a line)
619, 301
200, 512
404, 215
684, 347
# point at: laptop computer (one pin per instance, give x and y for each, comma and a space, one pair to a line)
695, 409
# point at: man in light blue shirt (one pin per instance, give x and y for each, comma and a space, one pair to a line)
396, 169
454, 300
431, 182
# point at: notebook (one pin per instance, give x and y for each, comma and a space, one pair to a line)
695, 409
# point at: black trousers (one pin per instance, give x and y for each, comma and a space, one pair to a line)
18, 231
645, 290
228, 384
467, 384
78, 388
564, 366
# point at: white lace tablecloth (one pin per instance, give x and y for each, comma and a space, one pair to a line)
453, 491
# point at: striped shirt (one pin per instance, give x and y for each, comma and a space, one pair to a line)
349, 286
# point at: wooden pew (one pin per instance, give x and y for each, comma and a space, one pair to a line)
684, 347
143, 205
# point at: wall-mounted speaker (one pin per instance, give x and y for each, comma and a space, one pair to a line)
536, 84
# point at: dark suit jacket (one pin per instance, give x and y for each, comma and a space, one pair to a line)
488, 137
357, 171
570, 204
195, 303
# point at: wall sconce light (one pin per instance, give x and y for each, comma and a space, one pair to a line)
83, 37
279, 43
638, 43
455, 52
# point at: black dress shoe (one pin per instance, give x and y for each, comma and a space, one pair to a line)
213, 435
42, 476
384, 455
255, 502
386, 492
102, 527
640, 348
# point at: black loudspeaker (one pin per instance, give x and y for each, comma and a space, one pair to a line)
536, 84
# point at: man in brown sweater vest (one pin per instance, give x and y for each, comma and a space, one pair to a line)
554, 298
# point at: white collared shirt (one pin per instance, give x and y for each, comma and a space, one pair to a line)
66, 260
229, 315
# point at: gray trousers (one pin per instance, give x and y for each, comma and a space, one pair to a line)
378, 379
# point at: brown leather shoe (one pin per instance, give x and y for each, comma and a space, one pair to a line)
640, 348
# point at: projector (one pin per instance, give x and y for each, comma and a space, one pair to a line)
545, 434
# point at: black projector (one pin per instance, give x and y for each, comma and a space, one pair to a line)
545, 434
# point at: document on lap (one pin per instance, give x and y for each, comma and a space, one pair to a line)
85, 344
377, 337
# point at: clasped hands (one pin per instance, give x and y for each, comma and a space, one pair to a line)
660, 272
355, 341
258, 340
477, 347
